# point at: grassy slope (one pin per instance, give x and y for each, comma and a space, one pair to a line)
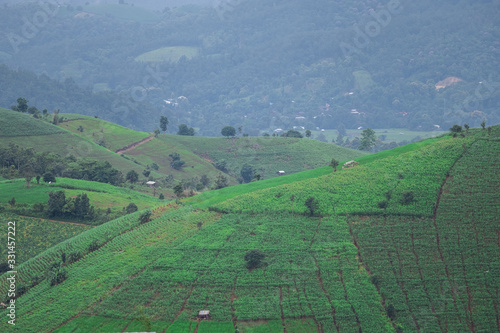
36, 235
100, 195
64, 142
266, 155
319, 270
115, 136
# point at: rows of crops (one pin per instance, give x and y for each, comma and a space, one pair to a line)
13, 124
37, 265
442, 274
358, 190
34, 236
269, 154
310, 264
102, 272
114, 136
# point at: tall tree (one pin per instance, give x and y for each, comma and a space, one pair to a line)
56, 203
334, 164
368, 139
163, 124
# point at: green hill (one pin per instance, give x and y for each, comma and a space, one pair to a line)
266, 155
422, 262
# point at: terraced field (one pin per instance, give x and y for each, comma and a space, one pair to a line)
431, 264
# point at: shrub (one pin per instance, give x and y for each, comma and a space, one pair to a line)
74, 256
145, 217
131, 208
49, 177
391, 312
383, 204
312, 205
407, 198
254, 259
94, 245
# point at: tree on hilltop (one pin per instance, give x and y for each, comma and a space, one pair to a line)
163, 124
228, 131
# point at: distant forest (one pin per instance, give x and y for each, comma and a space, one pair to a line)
259, 64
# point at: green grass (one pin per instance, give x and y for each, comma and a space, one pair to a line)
419, 168
168, 54
267, 154
115, 136
100, 195
17, 124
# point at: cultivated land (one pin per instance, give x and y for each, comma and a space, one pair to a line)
426, 263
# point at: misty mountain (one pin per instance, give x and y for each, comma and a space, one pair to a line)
265, 65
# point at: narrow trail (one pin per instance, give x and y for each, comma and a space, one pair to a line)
281, 309
133, 145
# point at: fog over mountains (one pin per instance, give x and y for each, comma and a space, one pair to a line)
262, 65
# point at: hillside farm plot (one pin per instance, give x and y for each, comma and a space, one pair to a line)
269, 154
174, 267
443, 273
34, 235
100, 195
111, 135
359, 190
15, 124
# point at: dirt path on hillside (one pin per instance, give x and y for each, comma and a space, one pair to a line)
133, 145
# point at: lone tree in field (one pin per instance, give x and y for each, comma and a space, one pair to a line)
368, 139
145, 217
228, 131
483, 124
312, 205
163, 124
334, 164
254, 259
132, 176
455, 129
132, 207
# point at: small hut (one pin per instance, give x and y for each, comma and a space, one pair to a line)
350, 164
153, 185
280, 173
203, 314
